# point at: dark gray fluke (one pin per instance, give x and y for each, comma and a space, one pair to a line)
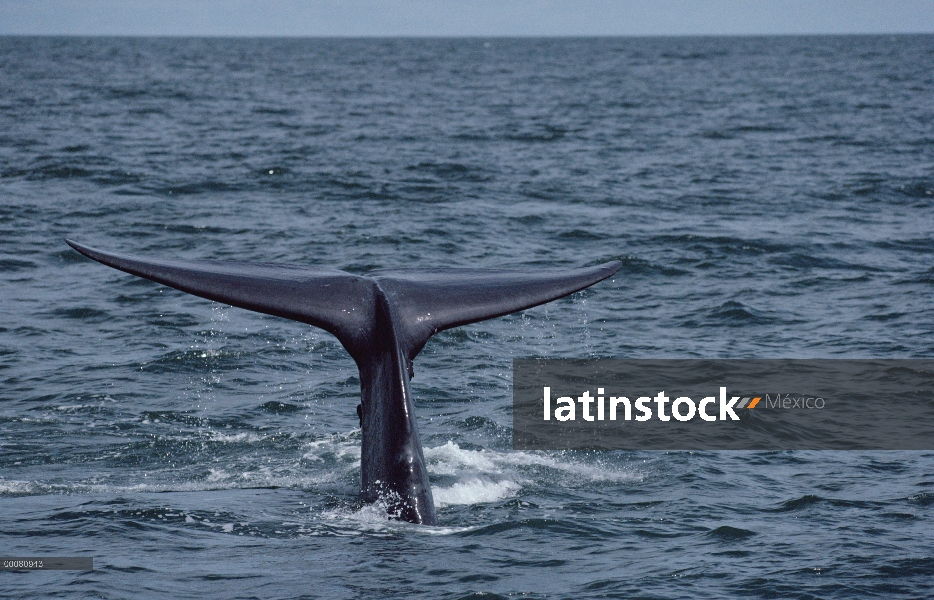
383, 319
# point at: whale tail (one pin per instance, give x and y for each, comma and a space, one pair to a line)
383, 319
424, 301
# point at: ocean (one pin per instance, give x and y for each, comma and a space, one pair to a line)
769, 197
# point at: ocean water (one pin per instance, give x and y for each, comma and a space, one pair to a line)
769, 198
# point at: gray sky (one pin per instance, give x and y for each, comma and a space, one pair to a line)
463, 17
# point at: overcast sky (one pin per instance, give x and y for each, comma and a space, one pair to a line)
463, 17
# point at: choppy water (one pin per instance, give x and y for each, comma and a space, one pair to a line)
769, 197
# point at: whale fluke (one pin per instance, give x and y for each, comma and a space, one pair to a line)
383, 319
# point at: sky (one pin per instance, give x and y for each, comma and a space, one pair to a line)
463, 17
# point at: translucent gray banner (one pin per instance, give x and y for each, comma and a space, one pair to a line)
47, 563
723, 404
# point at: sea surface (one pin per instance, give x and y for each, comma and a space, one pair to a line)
769, 198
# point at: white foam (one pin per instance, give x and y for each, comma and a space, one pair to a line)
17, 487
344, 447
372, 519
248, 437
217, 479
451, 459
218, 475
475, 491
461, 476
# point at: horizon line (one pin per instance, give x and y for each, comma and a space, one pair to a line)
463, 36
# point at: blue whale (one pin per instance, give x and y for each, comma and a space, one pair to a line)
383, 319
